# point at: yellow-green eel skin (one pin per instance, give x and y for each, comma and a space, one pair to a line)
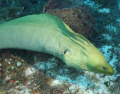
47, 33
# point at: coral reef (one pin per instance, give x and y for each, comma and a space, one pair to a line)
52, 4
77, 18
60, 4
70, 3
11, 9
105, 3
18, 77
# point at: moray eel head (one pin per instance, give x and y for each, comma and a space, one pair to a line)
97, 62
87, 57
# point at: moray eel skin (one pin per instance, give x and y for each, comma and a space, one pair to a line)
47, 33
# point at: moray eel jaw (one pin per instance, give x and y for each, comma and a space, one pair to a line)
98, 63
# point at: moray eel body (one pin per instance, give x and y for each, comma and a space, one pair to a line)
47, 33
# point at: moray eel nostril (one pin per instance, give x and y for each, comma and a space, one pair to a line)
47, 33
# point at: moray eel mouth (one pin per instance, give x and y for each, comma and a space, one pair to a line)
106, 69
99, 64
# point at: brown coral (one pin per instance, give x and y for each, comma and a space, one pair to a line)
52, 4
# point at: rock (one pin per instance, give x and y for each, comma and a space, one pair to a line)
52, 4
77, 18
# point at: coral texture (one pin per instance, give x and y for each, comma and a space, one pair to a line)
77, 18
52, 4
105, 3
11, 9
60, 4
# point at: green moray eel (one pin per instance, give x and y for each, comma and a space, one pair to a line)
47, 33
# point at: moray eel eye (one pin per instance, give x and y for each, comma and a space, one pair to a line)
104, 68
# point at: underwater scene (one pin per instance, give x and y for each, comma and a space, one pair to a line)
59, 46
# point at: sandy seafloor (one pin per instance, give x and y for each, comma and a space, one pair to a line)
88, 82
